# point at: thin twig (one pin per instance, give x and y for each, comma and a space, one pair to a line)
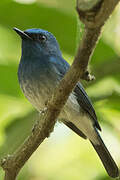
93, 19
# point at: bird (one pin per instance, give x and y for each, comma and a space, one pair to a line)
40, 70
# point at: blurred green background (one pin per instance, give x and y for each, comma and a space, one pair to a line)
63, 156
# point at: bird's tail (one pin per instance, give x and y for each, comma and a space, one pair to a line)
101, 150
106, 158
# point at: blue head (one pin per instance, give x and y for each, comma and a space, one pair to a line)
36, 73
37, 42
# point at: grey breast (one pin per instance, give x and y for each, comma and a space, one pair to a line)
37, 82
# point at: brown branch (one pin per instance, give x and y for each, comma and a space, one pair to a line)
96, 16
93, 19
86, 5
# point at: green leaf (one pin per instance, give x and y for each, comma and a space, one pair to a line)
9, 82
16, 132
39, 16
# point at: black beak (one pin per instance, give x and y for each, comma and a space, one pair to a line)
22, 34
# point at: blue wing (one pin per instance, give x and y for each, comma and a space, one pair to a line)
85, 103
62, 67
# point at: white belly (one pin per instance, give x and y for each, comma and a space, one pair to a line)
74, 113
38, 95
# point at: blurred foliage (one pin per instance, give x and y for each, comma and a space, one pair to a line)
64, 155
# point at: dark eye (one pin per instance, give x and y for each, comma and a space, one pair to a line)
42, 37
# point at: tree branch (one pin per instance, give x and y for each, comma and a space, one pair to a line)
85, 5
93, 18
